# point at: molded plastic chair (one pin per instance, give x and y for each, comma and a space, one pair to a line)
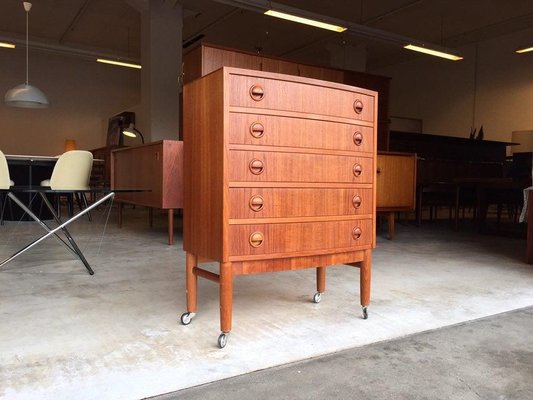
72, 172
5, 183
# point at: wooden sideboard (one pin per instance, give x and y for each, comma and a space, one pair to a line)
156, 167
279, 177
206, 58
395, 185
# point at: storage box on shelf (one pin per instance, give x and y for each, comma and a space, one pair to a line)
280, 176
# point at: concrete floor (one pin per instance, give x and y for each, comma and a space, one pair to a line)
116, 335
490, 359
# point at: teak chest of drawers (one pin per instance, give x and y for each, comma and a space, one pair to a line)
280, 176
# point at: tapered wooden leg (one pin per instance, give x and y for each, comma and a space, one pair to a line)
226, 296
151, 217
321, 279
365, 271
391, 218
191, 262
171, 226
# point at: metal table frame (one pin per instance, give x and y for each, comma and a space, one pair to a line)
70, 243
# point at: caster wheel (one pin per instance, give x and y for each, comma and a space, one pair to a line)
222, 340
186, 318
365, 312
317, 297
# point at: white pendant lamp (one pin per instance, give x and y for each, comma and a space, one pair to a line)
26, 95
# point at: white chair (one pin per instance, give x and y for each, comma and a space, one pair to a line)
72, 172
5, 183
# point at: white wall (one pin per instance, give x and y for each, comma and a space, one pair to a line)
83, 95
444, 94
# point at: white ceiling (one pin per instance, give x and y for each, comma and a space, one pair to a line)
113, 26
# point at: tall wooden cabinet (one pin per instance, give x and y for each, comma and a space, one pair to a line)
280, 176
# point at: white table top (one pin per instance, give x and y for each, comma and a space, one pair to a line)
26, 157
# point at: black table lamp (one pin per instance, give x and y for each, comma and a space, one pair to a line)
131, 131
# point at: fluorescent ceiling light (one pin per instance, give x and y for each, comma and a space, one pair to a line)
524, 50
432, 52
7, 45
305, 21
120, 63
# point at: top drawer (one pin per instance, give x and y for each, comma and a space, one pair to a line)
255, 92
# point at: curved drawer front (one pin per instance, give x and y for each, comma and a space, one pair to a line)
256, 166
272, 130
249, 91
298, 202
290, 239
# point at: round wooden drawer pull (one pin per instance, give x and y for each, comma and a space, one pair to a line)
256, 239
256, 203
256, 167
257, 130
357, 170
257, 92
356, 201
358, 106
358, 138
356, 233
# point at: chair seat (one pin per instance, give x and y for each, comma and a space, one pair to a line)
46, 182
11, 183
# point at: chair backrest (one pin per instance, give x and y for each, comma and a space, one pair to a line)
5, 181
72, 170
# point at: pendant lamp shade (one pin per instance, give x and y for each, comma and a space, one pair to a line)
26, 95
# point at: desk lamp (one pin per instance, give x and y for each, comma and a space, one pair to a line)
131, 131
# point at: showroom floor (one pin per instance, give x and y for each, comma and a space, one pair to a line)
116, 334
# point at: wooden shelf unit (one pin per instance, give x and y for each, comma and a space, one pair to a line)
280, 176
155, 166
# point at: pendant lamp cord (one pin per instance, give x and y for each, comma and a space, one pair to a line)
27, 45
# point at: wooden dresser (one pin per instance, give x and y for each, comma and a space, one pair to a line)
156, 166
280, 176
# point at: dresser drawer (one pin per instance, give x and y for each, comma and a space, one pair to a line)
255, 92
298, 202
272, 130
260, 239
264, 166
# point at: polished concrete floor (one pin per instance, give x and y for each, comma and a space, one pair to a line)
116, 334
490, 359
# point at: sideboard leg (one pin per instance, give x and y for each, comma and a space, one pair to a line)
171, 226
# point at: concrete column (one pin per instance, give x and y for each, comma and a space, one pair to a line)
161, 58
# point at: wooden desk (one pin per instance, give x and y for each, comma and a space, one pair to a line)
156, 167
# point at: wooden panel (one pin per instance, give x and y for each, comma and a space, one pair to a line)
293, 96
295, 238
203, 219
325, 74
298, 167
396, 181
279, 66
266, 202
291, 132
215, 58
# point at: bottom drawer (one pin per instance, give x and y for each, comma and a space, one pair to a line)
294, 238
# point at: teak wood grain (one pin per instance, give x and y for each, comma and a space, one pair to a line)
297, 193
